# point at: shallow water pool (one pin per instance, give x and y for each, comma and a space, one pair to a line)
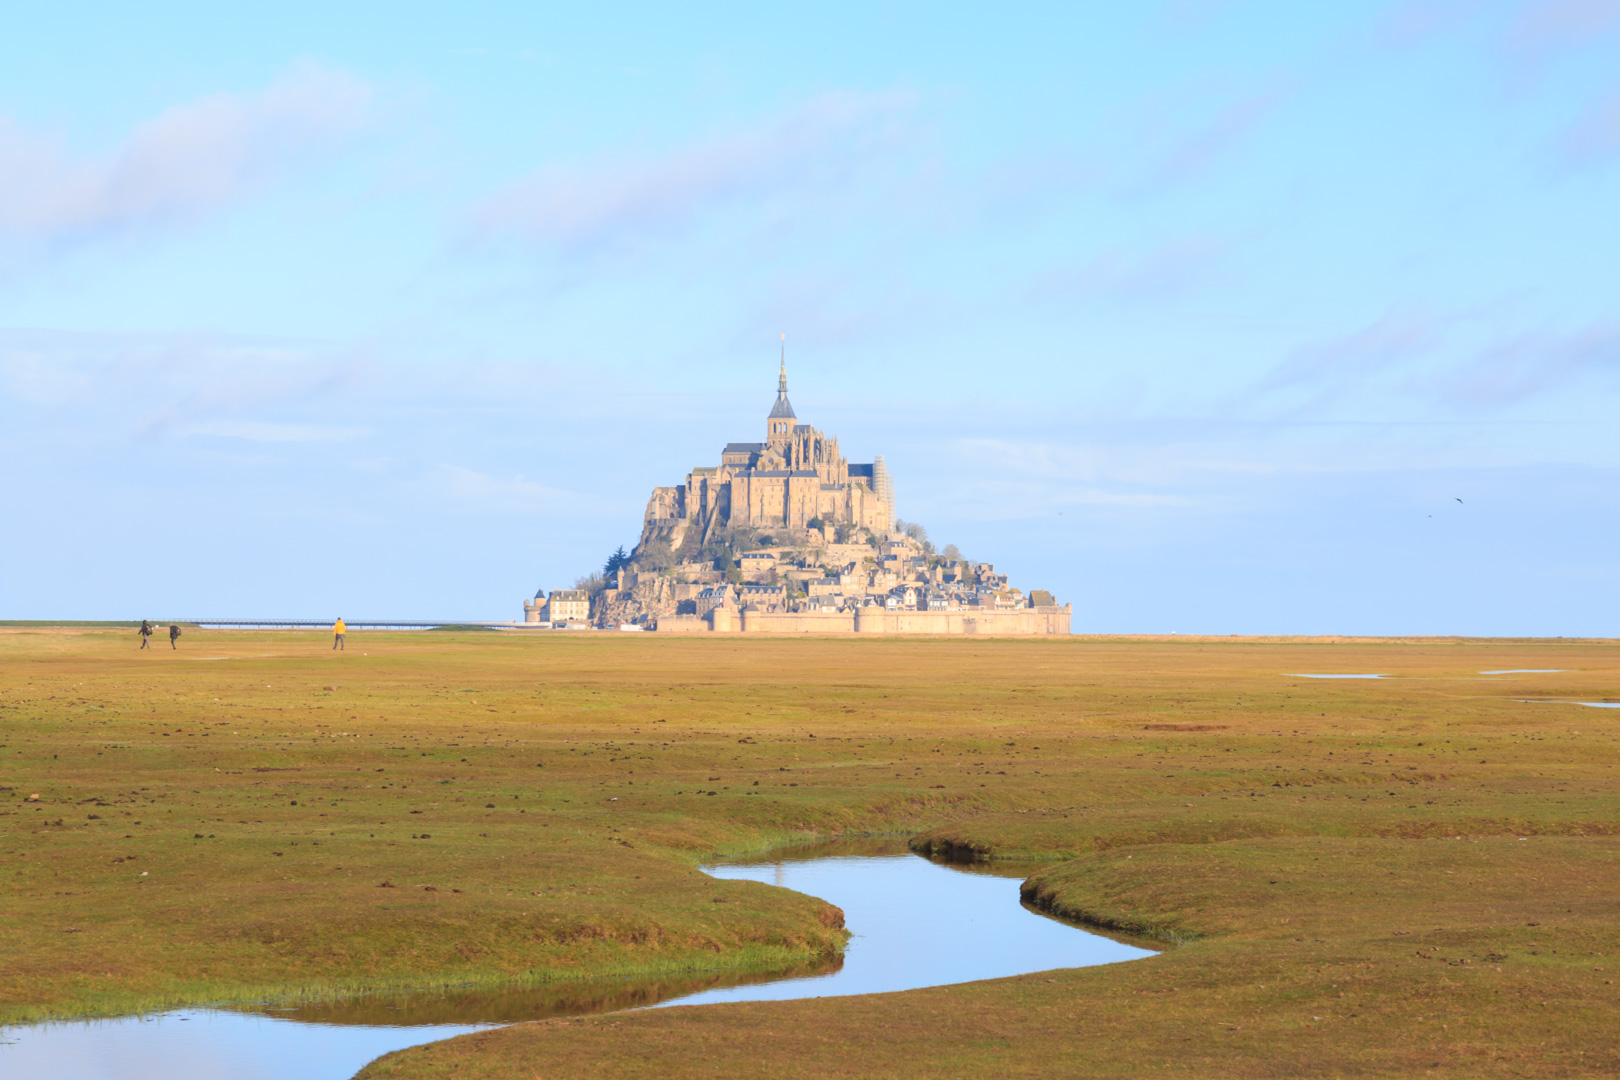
918, 923
913, 923
1303, 675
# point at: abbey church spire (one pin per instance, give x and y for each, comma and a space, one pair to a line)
779, 425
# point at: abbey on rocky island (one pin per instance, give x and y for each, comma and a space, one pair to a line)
794, 478
787, 536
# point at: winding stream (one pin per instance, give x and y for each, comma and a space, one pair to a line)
913, 922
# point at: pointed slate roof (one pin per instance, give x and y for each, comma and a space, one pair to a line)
782, 410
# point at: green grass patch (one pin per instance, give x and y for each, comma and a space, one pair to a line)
258, 817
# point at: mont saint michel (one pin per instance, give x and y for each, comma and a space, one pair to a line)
786, 535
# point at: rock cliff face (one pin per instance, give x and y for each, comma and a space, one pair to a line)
665, 521
673, 562
664, 529
640, 598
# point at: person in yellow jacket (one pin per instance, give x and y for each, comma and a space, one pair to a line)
338, 630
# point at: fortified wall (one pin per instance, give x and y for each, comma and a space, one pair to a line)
1052, 619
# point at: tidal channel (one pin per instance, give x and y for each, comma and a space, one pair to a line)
913, 923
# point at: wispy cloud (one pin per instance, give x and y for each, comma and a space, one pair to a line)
150, 385
1548, 26
1192, 16
1079, 472
1596, 135
1526, 365
609, 201
1321, 372
1404, 361
188, 160
1412, 22
830, 311
1153, 275
509, 493
1195, 147
1022, 183
266, 432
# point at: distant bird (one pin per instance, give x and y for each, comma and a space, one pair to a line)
1459, 500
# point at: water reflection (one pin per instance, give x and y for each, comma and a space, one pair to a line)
913, 923
579, 997
1303, 675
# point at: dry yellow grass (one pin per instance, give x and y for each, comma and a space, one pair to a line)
1340, 861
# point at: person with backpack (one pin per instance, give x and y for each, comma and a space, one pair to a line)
146, 634
174, 632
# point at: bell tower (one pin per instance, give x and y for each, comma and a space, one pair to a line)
779, 425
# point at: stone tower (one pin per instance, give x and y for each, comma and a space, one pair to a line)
883, 485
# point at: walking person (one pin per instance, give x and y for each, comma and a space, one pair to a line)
174, 632
146, 634
338, 630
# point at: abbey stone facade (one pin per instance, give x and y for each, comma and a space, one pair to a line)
794, 477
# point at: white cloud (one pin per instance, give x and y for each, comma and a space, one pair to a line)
585, 204
188, 160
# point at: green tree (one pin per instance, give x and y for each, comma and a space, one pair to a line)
654, 555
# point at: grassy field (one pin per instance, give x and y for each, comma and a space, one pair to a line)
1414, 875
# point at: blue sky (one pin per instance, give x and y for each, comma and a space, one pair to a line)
1208, 316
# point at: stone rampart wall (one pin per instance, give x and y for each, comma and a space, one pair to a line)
798, 622
683, 624
1021, 622
1012, 621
